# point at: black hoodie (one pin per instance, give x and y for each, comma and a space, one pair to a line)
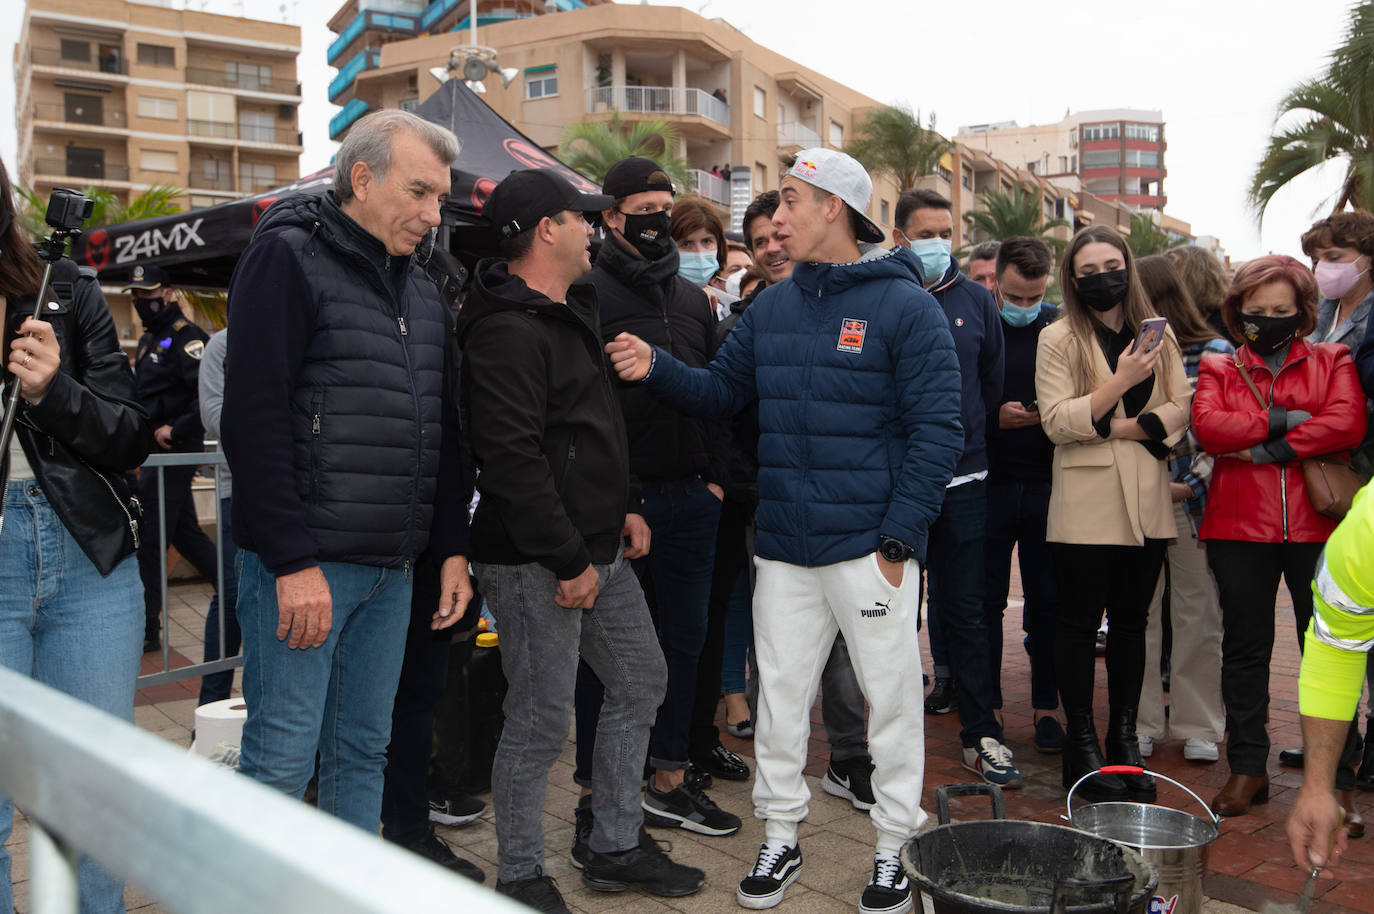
545, 426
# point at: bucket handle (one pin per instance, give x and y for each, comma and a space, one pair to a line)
1136, 769
1119, 886
991, 791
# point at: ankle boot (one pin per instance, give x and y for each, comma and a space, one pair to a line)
1240, 793
1082, 755
1364, 777
1123, 748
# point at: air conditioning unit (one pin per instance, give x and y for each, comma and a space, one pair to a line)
286, 112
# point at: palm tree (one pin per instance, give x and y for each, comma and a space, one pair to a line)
590, 148
892, 141
1146, 238
1018, 213
1332, 119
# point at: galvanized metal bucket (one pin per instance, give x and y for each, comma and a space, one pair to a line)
1174, 841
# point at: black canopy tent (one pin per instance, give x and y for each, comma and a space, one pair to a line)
199, 248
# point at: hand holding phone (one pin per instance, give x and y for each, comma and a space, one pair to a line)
1151, 334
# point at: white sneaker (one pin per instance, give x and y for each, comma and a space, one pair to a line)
1200, 750
1147, 745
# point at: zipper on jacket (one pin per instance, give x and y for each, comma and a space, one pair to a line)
402, 321
133, 524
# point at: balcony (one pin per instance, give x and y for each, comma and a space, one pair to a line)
201, 181
203, 76
81, 115
85, 171
798, 135
223, 130
712, 187
372, 21
249, 133
659, 100
366, 59
340, 122
51, 57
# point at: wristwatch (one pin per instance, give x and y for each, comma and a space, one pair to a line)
894, 550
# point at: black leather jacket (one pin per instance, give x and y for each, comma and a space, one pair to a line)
89, 428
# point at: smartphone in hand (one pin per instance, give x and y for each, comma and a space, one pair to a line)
1151, 333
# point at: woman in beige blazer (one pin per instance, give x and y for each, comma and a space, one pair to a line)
1113, 412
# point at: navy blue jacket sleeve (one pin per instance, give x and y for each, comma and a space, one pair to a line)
273, 315
1364, 360
722, 388
992, 360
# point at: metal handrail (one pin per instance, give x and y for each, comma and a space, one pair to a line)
658, 100
197, 837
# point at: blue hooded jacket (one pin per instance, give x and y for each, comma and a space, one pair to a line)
858, 386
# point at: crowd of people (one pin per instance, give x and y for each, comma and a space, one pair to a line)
706, 467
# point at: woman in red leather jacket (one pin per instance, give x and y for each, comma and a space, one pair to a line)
1258, 522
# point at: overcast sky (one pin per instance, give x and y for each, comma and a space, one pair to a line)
1216, 68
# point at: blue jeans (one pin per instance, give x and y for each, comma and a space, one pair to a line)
336, 698
1017, 512
217, 686
676, 577
68, 627
739, 635
954, 571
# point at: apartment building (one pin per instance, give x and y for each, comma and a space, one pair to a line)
124, 96
733, 101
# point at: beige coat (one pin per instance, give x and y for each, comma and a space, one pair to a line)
1106, 492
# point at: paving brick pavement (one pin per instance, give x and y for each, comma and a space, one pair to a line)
1248, 865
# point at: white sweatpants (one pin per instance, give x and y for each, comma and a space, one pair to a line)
797, 611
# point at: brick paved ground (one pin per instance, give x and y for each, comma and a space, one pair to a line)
1249, 864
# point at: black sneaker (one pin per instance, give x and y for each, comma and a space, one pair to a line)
851, 779
583, 820
688, 808
722, 763
777, 867
538, 892
941, 699
455, 809
889, 891
432, 848
647, 868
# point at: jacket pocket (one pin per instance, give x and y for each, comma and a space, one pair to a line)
569, 461
1086, 455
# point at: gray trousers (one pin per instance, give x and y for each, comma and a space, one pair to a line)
842, 705
540, 642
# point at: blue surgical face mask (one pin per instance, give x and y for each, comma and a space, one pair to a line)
697, 267
934, 254
1017, 316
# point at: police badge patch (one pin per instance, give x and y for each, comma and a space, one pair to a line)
195, 349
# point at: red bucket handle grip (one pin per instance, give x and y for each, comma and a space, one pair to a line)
1121, 769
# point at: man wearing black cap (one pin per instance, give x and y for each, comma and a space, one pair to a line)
167, 369
681, 464
549, 439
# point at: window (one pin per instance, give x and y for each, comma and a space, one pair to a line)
1073, 163
76, 50
1142, 158
1103, 158
1147, 132
1063, 164
256, 176
83, 109
85, 163
945, 174
760, 102
541, 82
199, 202
966, 180
410, 104
1049, 209
152, 106
762, 171
217, 175
210, 107
1060, 208
836, 134
1033, 167
1101, 132
250, 76
257, 126
883, 212
157, 160
156, 55
1103, 186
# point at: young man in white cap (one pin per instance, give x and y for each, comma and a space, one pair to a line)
854, 370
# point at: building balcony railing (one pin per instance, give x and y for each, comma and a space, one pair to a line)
204, 76
798, 135
223, 130
81, 115
712, 187
662, 100
340, 122
202, 181
52, 57
85, 171
372, 21
366, 59
248, 133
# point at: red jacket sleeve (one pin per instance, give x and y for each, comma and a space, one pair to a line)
1219, 428
1340, 424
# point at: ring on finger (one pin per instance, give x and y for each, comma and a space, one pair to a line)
27, 360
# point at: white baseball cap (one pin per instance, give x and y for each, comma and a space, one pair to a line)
837, 173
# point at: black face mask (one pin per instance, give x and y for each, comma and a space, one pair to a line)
648, 234
1102, 291
148, 308
1267, 335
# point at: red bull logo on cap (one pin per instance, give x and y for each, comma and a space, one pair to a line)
804, 169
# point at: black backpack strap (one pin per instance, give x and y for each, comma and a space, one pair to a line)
61, 287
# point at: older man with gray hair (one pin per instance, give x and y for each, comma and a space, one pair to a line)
338, 432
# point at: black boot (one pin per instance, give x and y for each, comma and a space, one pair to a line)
1364, 778
1124, 749
1082, 755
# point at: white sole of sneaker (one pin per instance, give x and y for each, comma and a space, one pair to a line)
1010, 785
902, 908
440, 818
687, 824
836, 789
1201, 755
772, 899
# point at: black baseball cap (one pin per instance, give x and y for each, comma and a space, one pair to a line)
526, 196
147, 279
632, 176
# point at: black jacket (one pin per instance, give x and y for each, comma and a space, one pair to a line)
648, 298
333, 417
167, 372
89, 429
743, 428
545, 426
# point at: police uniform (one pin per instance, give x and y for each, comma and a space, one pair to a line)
167, 371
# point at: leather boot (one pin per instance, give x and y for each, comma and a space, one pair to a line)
1123, 748
1354, 822
1364, 777
1082, 755
1240, 793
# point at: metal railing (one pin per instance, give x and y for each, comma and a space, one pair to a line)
248, 133
68, 114
798, 135
366, 59
712, 187
106, 171
223, 130
52, 57
658, 100
198, 180
203, 76
197, 837
371, 19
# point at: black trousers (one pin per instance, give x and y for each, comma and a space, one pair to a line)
183, 532
1120, 580
732, 558
1247, 586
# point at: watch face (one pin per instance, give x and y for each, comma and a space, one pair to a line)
892, 551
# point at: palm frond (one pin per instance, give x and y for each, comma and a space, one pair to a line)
891, 140
591, 147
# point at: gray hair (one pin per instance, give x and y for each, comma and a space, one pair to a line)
985, 251
370, 142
